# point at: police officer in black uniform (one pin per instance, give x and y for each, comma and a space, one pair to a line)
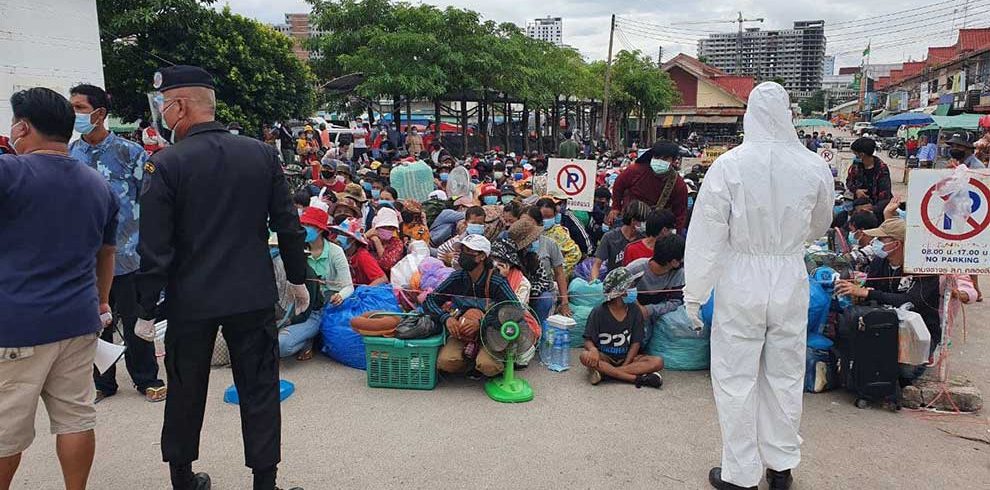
206, 207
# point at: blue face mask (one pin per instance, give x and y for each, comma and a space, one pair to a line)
273, 251
836, 210
690, 202
366, 185
605, 227
518, 176
878, 250
630, 297
490, 200
376, 193
387, 204
902, 214
83, 124
524, 161
610, 180
475, 229
847, 206
507, 199
659, 166
444, 176
535, 246
343, 242
556, 220
548, 223
851, 238
311, 233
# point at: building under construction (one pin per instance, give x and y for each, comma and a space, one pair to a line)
794, 55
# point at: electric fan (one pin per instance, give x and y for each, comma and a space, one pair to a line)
506, 335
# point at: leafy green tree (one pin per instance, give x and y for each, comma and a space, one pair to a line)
813, 104
258, 78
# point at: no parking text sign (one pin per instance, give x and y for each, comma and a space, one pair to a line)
574, 179
939, 241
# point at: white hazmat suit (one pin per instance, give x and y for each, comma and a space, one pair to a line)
759, 204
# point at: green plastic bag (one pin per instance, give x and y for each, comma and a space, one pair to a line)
582, 297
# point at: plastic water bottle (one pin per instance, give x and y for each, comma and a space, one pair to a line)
562, 353
546, 346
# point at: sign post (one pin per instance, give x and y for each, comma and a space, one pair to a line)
574, 179
938, 241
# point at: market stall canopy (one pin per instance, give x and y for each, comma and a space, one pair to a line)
906, 119
969, 122
813, 123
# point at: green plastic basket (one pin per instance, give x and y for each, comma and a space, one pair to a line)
406, 364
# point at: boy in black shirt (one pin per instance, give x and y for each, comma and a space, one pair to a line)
614, 335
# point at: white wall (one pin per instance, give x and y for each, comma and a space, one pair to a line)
47, 43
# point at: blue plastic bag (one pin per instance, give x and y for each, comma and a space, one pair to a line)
583, 298
340, 342
675, 340
285, 389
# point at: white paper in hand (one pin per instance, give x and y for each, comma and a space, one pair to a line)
107, 355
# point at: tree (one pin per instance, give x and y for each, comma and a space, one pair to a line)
778, 80
258, 78
813, 104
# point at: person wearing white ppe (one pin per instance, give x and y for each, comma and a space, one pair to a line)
760, 203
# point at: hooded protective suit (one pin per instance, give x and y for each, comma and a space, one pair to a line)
760, 203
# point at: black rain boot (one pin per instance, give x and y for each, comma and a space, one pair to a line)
715, 478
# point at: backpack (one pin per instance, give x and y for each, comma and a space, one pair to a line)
433, 207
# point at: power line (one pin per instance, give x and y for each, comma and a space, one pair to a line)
893, 28
889, 15
659, 36
669, 27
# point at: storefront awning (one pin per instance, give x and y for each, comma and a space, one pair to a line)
713, 119
672, 121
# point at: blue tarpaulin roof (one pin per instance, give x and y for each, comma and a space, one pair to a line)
906, 119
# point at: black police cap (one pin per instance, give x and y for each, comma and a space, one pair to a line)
660, 149
179, 76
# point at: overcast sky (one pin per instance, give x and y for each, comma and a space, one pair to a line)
894, 36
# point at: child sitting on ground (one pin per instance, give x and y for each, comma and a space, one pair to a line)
614, 335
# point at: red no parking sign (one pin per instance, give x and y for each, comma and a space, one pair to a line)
947, 231
574, 179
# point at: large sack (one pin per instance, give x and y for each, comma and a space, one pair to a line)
341, 343
675, 340
582, 297
413, 181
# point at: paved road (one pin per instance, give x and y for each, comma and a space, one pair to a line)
337, 433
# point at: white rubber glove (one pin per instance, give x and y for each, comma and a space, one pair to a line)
300, 297
694, 313
145, 329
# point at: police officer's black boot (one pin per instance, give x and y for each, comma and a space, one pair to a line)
715, 478
779, 480
184, 479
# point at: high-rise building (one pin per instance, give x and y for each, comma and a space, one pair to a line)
549, 29
300, 29
828, 65
794, 55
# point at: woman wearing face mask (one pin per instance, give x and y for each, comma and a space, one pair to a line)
528, 236
473, 224
507, 262
489, 195
328, 278
552, 229
385, 241
414, 142
612, 248
365, 270
654, 180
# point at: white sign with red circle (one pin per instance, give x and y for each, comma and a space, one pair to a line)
826, 155
939, 241
573, 179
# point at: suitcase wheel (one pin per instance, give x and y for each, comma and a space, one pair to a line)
862, 403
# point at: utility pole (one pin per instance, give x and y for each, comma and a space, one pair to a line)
739, 42
608, 80
659, 55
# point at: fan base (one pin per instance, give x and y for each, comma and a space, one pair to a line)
509, 391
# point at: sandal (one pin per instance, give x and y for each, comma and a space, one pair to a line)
305, 355
156, 394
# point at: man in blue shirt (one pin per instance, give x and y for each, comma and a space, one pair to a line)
59, 222
927, 153
121, 162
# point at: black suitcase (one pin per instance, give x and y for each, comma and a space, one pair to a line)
867, 345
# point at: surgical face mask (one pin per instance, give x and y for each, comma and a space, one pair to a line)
386, 235
847, 206
535, 246
311, 233
548, 223
556, 219
610, 180
376, 193
13, 142
489, 200
499, 175
387, 204
837, 209
235, 132
605, 228
659, 166
273, 252
878, 249
507, 199
475, 229
630, 297
690, 201
444, 176
641, 228
83, 124
957, 154
343, 242
340, 178
851, 238
902, 214
299, 211
366, 186
517, 176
